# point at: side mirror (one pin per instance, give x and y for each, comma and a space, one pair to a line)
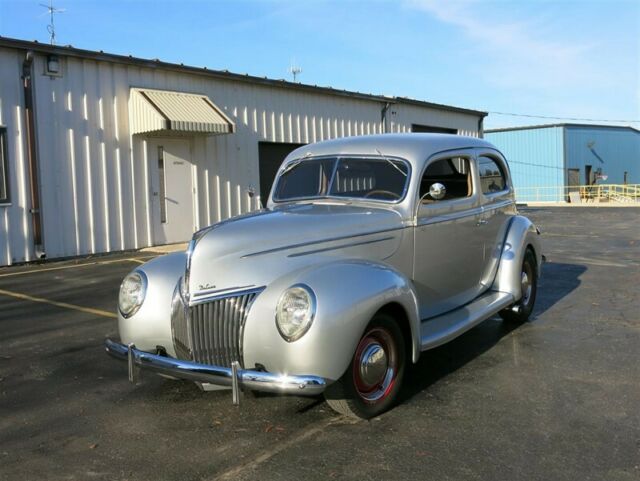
437, 191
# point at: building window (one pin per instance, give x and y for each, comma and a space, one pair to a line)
163, 186
4, 168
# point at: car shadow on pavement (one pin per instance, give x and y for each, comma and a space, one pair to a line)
558, 281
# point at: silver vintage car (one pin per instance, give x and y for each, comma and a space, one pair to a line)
371, 250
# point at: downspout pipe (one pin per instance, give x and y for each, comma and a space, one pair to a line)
32, 154
481, 126
383, 116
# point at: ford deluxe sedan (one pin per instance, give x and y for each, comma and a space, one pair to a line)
371, 250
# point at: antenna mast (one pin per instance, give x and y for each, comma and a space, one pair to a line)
51, 28
294, 70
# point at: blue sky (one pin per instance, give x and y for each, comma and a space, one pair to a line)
561, 58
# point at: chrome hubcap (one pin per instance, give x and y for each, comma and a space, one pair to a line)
373, 364
526, 287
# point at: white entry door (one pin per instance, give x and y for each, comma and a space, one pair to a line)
172, 190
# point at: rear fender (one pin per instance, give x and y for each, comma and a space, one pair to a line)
521, 234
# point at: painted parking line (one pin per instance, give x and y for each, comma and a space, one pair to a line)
64, 305
86, 264
266, 455
137, 260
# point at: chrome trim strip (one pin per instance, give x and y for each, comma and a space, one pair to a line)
332, 239
342, 246
498, 205
217, 297
206, 292
448, 217
306, 385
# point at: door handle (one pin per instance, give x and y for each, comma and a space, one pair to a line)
482, 222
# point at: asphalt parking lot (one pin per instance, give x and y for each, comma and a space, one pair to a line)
556, 398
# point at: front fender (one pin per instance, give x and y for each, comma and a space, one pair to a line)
522, 233
151, 325
348, 294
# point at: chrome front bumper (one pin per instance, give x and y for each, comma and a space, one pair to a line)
233, 377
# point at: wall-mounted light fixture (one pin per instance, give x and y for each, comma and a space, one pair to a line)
53, 66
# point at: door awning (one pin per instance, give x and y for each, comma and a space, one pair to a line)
163, 112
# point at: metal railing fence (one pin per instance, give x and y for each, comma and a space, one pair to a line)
617, 193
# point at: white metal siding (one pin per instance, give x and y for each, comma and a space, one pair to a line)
95, 191
406, 115
15, 221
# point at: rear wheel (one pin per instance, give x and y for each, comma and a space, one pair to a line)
371, 383
521, 311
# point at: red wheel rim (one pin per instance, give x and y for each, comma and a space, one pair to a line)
375, 365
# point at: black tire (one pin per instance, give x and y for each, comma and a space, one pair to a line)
521, 310
356, 396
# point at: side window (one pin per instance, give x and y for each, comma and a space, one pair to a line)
4, 168
453, 173
492, 178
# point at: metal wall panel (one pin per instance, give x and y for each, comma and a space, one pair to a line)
95, 175
612, 150
16, 243
536, 160
401, 117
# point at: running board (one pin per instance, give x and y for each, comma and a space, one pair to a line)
441, 329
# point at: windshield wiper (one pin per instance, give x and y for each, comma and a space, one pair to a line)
391, 162
291, 166
294, 163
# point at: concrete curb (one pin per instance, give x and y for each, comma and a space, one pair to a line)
166, 249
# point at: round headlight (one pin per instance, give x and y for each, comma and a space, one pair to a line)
295, 312
132, 292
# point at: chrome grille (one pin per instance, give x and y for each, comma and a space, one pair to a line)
211, 332
179, 325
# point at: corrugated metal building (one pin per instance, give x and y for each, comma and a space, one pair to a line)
103, 152
542, 157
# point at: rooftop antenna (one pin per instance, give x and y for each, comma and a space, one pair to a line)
51, 28
294, 70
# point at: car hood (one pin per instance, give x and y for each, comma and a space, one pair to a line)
253, 249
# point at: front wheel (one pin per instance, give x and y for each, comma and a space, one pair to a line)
521, 311
371, 384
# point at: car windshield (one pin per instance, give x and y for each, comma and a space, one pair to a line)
377, 178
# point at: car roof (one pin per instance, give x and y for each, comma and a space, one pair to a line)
415, 147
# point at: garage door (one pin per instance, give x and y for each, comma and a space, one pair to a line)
431, 129
270, 157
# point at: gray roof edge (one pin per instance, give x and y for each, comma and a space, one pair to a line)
221, 74
563, 125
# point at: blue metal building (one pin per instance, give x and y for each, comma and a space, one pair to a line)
545, 159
